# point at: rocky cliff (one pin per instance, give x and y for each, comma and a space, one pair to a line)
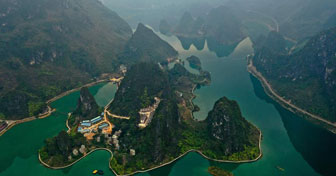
87, 108
232, 131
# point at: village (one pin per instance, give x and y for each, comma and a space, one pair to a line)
100, 126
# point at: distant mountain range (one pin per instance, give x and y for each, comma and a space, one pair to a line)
304, 74
220, 25
48, 47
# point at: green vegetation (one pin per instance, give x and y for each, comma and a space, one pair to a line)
58, 150
87, 107
48, 47
216, 171
2, 116
194, 62
34, 108
220, 27
311, 18
170, 132
146, 46
142, 83
306, 76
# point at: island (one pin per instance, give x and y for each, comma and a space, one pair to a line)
194, 62
217, 171
150, 124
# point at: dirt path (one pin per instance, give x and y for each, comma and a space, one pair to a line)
252, 69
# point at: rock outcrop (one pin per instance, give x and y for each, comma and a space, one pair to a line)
226, 124
87, 108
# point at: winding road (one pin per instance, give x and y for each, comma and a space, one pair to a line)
252, 69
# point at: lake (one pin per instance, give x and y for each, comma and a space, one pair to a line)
291, 145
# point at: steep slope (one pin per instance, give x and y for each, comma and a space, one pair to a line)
87, 107
306, 77
223, 26
220, 27
231, 130
141, 84
165, 27
308, 18
47, 47
146, 46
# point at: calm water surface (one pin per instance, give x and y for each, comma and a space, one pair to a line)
19, 146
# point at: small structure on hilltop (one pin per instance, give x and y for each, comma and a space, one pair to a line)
146, 114
115, 140
123, 69
132, 152
75, 152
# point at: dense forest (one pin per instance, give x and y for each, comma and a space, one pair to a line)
48, 47
303, 74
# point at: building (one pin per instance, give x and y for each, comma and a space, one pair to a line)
82, 130
123, 69
132, 152
96, 120
85, 124
103, 125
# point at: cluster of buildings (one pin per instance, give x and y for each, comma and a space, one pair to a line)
115, 140
146, 114
90, 127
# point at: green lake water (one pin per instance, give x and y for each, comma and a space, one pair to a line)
289, 142
19, 146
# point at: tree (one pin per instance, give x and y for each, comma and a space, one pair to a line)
64, 143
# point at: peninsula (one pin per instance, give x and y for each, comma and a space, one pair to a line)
157, 125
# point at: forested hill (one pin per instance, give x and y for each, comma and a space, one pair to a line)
146, 46
48, 46
230, 131
87, 107
305, 75
220, 25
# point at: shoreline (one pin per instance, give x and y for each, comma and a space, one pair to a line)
203, 155
50, 110
161, 165
286, 104
76, 161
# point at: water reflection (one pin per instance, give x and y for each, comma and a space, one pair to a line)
212, 44
187, 42
315, 144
